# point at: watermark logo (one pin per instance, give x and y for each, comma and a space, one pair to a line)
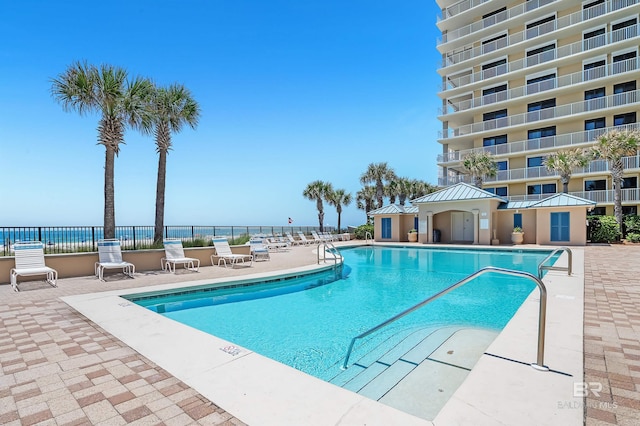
582, 389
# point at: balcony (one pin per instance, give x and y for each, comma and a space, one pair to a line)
488, 22
555, 83
530, 61
626, 98
550, 142
629, 195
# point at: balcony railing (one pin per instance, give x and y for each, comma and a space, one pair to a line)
560, 141
469, 52
530, 61
489, 21
71, 239
460, 7
619, 99
553, 83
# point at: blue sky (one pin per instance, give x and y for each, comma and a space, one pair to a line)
290, 92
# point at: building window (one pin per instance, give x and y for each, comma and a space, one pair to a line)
386, 227
595, 185
598, 211
537, 106
535, 161
624, 62
594, 70
624, 87
541, 54
547, 188
541, 133
493, 94
494, 140
630, 182
629, 210
494, 115
494, 43
591, 99
491, 18
622, 119
502, 165
593, 39
539, 84
625, 24
537, 28
494, 68
560, 226
596, 123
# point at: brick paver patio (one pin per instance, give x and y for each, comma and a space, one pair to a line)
612, 334
58, 368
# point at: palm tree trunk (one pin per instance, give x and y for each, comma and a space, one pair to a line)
109, 201
616, 177
160, 191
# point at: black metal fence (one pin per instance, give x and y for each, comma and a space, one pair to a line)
74, 239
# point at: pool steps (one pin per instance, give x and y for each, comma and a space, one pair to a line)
420, 373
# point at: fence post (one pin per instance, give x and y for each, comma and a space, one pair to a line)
39, 233
134, 237
232, 238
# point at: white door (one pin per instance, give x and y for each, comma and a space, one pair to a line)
461, 226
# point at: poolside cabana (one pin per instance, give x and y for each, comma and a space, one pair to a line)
464, 214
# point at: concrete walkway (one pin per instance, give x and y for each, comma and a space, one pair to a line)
58, 368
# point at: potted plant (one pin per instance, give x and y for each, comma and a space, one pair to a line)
517, 236
413, 236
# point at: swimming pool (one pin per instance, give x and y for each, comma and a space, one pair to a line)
307, 322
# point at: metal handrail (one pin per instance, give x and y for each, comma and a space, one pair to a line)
367, 236
568, 268
538, 365
329, 247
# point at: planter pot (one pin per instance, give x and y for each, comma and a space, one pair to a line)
413, 237
517, 237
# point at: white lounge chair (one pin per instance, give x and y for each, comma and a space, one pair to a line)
224, 254
316, 238
29, 258
110, 257
174, 254
292, 240
258, 249
304, 240
274, 243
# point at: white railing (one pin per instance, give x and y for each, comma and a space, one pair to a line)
491, 20
626, 98
601, 197
552, 83
469, 52
460, 7
530, 61
549, 142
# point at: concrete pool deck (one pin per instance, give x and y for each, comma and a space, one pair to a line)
59, 367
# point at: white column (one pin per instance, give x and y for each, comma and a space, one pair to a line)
476, 225
430, 227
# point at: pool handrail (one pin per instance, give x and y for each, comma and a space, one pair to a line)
367, 237
568, 268
328, 246
538, 365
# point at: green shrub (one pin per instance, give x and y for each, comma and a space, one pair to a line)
605, 229
196, 242
239, 241
632, 223
362, 230
633, 237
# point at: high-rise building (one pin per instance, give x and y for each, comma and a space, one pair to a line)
523, 79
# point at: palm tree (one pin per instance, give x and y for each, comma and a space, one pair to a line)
563, 162
613, 146
404, 190
105, 89
339, 198
378, 173
420, 188
172, 107
479, 164
392, 190
364, 199
317, 191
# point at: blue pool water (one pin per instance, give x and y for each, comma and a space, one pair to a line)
308, 322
